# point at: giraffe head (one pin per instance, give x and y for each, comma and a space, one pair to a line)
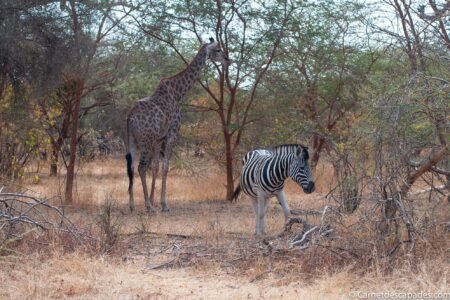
216, 54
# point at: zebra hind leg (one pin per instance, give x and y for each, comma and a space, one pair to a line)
261, 216
255, 207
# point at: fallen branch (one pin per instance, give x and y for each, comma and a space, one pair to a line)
20, 212
300, 241
303, 238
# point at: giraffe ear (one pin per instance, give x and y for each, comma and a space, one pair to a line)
211, 46
211, 40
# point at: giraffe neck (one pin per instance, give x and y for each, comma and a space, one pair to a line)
181, 83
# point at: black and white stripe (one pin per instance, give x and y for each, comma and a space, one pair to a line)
264, 172
268, 169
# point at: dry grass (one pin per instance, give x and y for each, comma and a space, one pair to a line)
204, 248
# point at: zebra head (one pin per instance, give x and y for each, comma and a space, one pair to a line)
299, 170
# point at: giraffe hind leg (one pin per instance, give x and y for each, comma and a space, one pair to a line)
130, 157
130, 172
164, 206
142, 169
155, 169
166, 151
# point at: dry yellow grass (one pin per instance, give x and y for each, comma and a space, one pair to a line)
80, 276
203, 249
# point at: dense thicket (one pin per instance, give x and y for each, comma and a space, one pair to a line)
366, 85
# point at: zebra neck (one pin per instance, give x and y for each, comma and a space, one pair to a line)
276, 170
289, 165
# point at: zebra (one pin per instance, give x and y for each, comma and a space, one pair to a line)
264, 172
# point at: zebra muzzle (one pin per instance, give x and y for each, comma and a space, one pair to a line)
309, 188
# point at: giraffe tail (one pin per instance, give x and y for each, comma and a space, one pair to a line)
129, 169
129, 156
236, 193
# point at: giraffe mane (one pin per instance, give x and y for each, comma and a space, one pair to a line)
177, 74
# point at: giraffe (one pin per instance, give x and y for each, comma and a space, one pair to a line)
153, 124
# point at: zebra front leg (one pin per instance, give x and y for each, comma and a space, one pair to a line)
283, 202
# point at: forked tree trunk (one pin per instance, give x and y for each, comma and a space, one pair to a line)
390, 208
432, 161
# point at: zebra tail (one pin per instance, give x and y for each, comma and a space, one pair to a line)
236, 193
129, 169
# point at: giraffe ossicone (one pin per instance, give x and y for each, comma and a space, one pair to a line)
153, 124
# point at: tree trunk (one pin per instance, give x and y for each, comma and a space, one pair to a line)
318, 143
73, 142
56, 148
229, 165
54, 166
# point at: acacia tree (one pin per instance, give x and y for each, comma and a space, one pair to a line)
90, 24
250, 34
323, 65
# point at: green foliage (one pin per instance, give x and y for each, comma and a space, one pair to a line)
20, 136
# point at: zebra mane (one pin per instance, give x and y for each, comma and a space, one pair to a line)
291, 148
288, 148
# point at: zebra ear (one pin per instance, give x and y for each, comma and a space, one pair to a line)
305, 154
302, 152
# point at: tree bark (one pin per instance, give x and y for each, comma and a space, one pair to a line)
318, 143
54, 162
73, 142
229, 165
